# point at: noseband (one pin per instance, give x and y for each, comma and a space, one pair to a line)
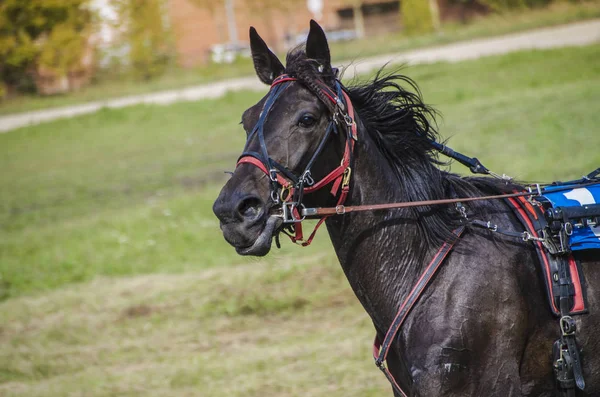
287, 188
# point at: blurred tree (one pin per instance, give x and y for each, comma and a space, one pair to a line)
419, 16
41, 33
143, 27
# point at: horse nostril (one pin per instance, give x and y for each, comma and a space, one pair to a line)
250, 208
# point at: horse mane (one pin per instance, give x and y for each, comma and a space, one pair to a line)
402, 126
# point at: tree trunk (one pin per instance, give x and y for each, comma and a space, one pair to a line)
359, 21
435, 14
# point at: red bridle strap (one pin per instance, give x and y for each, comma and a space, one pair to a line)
256, 162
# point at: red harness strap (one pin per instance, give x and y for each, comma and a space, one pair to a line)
256, 162
381, 349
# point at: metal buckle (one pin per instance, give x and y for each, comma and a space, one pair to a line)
285, 192
568, 228
273, 174
347, 119
288, 212
307, 177
346, 178
274, 196
462, 210
567, 325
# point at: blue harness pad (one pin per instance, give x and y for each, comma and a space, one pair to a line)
583, 237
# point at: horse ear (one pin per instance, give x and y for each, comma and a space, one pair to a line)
316, 45
266, 64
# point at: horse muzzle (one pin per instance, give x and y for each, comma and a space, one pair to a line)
246, 224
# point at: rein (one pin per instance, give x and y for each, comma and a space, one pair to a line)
341, 209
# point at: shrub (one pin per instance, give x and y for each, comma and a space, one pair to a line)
46, 33
419, 16
145, 31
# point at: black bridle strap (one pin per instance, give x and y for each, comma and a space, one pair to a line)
382, 348
258, 128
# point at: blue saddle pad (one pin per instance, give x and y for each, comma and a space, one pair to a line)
583, 237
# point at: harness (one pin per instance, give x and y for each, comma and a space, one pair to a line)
547, 227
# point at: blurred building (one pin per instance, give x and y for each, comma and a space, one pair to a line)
200, 26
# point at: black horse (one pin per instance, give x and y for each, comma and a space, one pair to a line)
482, 327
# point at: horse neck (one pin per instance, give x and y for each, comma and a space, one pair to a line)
382, 253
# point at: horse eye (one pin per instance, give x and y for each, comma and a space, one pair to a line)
307, 120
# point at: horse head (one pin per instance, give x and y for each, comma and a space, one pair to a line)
297, 136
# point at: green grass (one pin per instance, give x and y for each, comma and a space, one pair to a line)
118, 192
255, 330
116, 280
491, 25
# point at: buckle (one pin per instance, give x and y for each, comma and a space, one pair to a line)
285, 193
274, 196
307, 177
567, 325
347, 119
273, 174
288, 212
346, 177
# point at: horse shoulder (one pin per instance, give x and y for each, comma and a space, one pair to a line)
467, 334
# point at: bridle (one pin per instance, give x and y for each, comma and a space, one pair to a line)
288, 189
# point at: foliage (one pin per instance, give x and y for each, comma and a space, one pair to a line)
48, 33
144, 30
418, 16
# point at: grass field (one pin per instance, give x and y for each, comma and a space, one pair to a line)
490, 25
116, 281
